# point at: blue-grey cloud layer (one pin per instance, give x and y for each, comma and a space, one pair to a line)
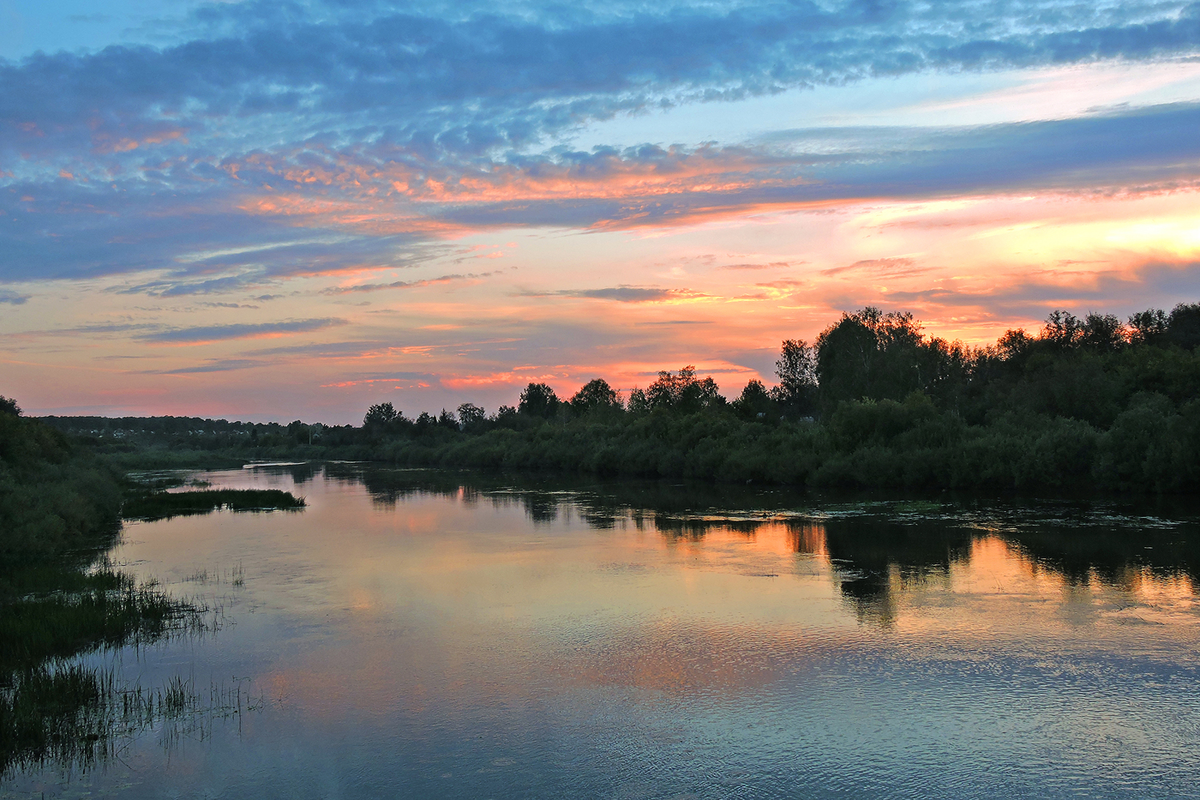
139, 158
213, 333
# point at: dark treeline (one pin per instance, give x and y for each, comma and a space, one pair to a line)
1084, 403
166, 442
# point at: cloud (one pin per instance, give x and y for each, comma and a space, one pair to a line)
214, 366
771, 265
212, 333
375, 287
878, 266
11, 297
182, 286
621, 294
211, 224
1152, 283
672, 322
469, 83
784, 284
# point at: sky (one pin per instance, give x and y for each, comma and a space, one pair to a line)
294, 210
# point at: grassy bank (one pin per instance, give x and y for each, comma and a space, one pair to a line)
59, 511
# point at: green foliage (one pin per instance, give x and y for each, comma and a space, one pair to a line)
797, 372
682, 392
755, 402
380, 415
1183, 326
538, 400
595, 396
54, 498
1083, 403
59, 508
471, 416
869, 354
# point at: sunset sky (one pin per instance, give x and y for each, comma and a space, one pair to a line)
280, 210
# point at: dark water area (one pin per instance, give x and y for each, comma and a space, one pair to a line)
433, 634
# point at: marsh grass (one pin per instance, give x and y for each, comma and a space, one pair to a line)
76, 718
85, 612
164, 505
55, 710
235, 576
62, 603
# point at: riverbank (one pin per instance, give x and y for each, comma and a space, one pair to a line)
60, 511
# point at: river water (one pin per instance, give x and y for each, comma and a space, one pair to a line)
435, 635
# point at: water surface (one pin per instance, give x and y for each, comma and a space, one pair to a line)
432, 635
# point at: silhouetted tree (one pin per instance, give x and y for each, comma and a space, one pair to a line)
380, 415
1148, 327
755, 402
869, 354
298, 432
1063, 330
797, 371
471, 417
1183, 328
683, 392
1102, 333
595, 395
1014, 344
538, 400
9, 406
638, 402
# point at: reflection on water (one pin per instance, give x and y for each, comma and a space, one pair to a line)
421, 634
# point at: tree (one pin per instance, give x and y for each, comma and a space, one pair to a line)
595, 395
538, 400
1063, 329
470, 416
869, 354
1183, 327
380, 416
797, 372
638, 404
1102, 333
1149, 327
1014, 344
298, 432
755, 402
682, 391
9, 406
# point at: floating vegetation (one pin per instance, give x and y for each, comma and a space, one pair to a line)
164, 505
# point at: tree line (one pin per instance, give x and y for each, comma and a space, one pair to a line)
872, 402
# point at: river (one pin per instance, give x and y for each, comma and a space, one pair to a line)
416, 634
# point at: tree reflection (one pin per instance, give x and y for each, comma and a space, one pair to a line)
877, 550
877, 559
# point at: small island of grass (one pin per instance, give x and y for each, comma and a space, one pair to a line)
163, 505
